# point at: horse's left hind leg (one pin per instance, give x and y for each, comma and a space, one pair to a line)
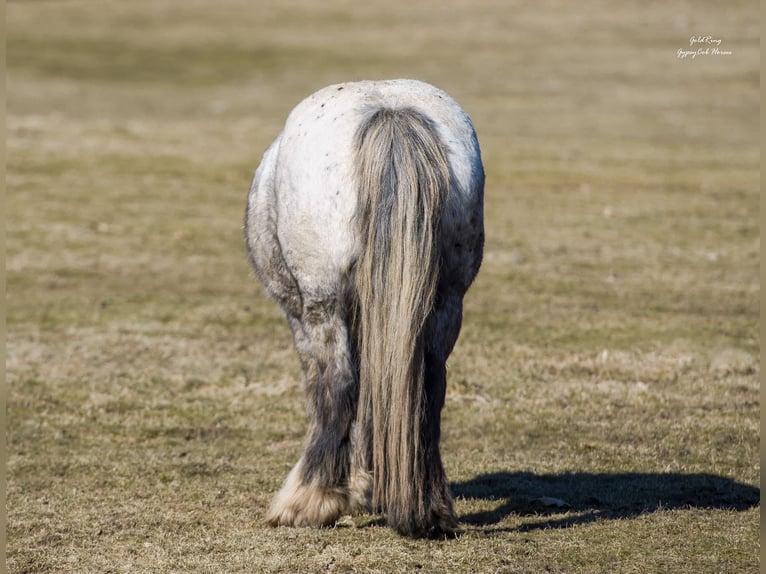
316, 492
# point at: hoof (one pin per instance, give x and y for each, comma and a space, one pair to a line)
306, 504
438, 522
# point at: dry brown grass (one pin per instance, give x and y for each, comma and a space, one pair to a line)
610, 350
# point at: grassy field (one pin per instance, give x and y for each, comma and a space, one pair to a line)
610, 353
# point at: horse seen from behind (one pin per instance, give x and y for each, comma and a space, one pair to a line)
365, 223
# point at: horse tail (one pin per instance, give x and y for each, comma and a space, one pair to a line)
403, 179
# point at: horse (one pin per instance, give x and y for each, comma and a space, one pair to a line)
364, 222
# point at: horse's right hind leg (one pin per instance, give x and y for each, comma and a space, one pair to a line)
316, 492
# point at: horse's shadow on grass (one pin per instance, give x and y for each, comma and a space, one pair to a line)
591, 497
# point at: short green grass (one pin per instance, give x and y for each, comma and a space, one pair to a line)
610, 354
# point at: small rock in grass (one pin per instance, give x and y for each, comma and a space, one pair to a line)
550, 502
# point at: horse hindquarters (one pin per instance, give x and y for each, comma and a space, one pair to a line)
380, 219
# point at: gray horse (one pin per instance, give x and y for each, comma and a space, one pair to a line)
365, 223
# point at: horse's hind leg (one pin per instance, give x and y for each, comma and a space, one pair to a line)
316, 491
441, 333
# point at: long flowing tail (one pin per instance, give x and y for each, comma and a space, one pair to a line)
403, 180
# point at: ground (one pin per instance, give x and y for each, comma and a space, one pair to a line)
610, 354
